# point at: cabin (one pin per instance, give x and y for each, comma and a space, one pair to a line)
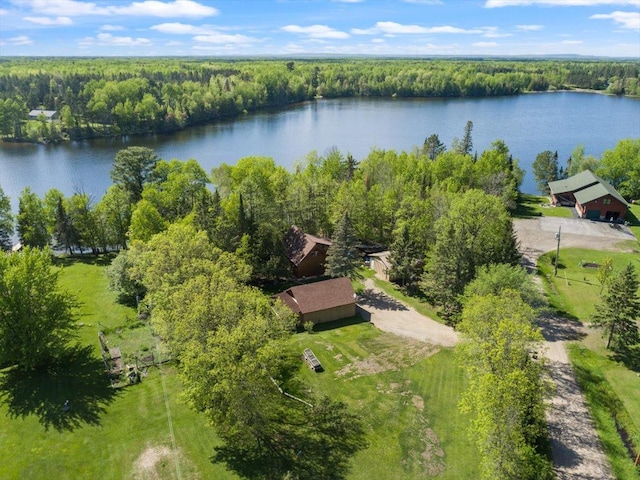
321, 302
307, 253
592, 197
49, 114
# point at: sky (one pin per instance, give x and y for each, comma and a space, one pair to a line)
319, 27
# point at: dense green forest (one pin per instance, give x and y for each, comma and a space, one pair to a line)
97, 97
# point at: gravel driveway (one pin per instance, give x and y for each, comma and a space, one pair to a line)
390, 315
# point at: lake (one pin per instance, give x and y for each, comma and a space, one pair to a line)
528, 124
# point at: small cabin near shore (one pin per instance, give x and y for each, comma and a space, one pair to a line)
48, 114
592, 197
321, 302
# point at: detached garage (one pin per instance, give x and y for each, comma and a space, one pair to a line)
321, 302
592, 197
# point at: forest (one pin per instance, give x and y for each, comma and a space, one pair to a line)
106, 97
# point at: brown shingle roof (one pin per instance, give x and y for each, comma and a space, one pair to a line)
299, 244
314, 297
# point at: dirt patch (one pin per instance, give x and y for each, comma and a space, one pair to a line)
424, 453
392, 355
159, 463
418, 402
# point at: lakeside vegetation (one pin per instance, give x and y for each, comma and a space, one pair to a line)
123, 96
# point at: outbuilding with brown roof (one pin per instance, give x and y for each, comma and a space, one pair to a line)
321, 302
306, 252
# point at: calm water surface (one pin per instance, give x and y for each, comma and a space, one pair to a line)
528, 124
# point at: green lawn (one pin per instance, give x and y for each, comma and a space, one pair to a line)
108, 433
406, 393
633, 217
576, 289
530, 206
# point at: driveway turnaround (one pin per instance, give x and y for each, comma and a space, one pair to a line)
390, 315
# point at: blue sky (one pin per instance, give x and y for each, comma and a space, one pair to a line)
321, 27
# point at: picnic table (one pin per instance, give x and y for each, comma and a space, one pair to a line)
312, 360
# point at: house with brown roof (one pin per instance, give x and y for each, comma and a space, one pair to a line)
47, 114
592, 197
306, 252
321, 302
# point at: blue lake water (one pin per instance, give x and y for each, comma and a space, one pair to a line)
528, 124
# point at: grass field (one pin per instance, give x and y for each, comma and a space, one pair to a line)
406, 391
576, 289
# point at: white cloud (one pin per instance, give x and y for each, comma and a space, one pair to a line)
530, 28
176, 28
485, 44
174, 43
111, 28
316, 31
223, 38
347, 1
20, 40
558, 3
572, 42
3, 11
49, 20
425, 2
377, 40
630, 20
108, 39
147, 8
393, 28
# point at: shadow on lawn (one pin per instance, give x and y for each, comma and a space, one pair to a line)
77, 376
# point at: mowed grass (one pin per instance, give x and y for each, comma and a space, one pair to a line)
406, 391
530, 206
107, 433
576, 289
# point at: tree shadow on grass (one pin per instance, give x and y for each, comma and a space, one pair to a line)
77, 376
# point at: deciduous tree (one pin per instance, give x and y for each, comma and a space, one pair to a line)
132, 168
32, 220
37, 318
506, 386
6, 222
545, 170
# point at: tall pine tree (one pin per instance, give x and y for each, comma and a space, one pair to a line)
618, 314
342, 257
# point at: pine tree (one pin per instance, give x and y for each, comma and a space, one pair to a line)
407, 262
618, 314
433, 146
342, 257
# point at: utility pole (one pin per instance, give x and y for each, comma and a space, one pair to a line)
555, 271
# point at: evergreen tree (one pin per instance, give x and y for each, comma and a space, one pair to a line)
466, 144
64, 234
407, 262
342, 257
433, 146
619, 311
132, 168
6, 222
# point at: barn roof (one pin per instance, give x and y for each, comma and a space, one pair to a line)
318, 296
596, 191
573, 184
299, 244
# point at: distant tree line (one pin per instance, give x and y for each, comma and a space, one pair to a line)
98, 97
